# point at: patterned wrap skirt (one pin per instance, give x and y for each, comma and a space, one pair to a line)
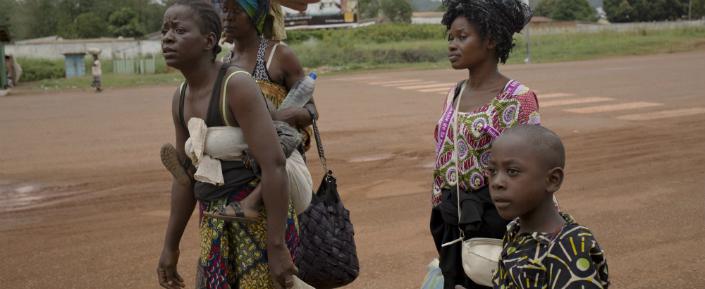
234, 254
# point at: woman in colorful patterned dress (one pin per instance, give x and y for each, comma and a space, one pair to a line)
238, 254
480, 36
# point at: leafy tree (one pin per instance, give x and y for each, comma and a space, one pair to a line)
70, 18
567, 10
368, 8
396, 10
646, 10
37, 18
89, 25
618, 10
544, 8
698, 9
152, 16
574, 10
7, 8
125, 22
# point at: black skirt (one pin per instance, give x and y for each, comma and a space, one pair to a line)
479, 219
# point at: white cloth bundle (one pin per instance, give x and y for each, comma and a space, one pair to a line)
300, 182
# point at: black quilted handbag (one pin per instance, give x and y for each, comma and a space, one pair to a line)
327, 257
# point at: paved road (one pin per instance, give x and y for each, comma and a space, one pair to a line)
84, 200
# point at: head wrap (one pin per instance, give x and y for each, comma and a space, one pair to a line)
257, 10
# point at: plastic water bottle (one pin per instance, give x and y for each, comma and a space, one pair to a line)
301, 93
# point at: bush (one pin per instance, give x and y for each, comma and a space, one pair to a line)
382, 33
567, 10
396, 10
649, 10
316, 54
368, 8
125, 22
298, 36
89, 25
38, 69
340, 50
618, 10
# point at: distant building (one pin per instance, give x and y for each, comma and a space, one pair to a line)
54, 47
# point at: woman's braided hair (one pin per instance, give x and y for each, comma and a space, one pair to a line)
497, 19
209, 20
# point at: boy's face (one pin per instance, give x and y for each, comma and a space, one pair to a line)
519, 179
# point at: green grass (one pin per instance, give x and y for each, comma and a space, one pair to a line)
108, 81
343, 54
585, 46
316, 54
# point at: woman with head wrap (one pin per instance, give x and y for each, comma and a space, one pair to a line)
276, 70
480, 36
274, 28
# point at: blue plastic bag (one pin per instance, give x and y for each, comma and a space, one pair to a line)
434, 276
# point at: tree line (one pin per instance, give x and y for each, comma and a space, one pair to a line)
137, 18
622, 10
81, 18
653, 10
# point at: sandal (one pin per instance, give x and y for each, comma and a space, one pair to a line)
238, 216
170, 160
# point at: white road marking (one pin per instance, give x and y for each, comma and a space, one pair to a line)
353, 78
437, 85
400, 85
663, 114
444, 89
613, 107
554, 95
392, 81
572, 101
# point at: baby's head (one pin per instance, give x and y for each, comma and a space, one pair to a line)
525, 169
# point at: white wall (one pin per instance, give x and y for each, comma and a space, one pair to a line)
109, 48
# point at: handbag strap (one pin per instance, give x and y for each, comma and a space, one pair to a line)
456, 158
319, 144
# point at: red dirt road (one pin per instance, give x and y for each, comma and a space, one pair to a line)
84, 199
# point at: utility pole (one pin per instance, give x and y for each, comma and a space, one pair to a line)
690, 9
527, 60
528, 45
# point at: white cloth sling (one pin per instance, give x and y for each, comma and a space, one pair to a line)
207, 146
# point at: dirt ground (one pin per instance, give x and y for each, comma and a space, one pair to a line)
84, 200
